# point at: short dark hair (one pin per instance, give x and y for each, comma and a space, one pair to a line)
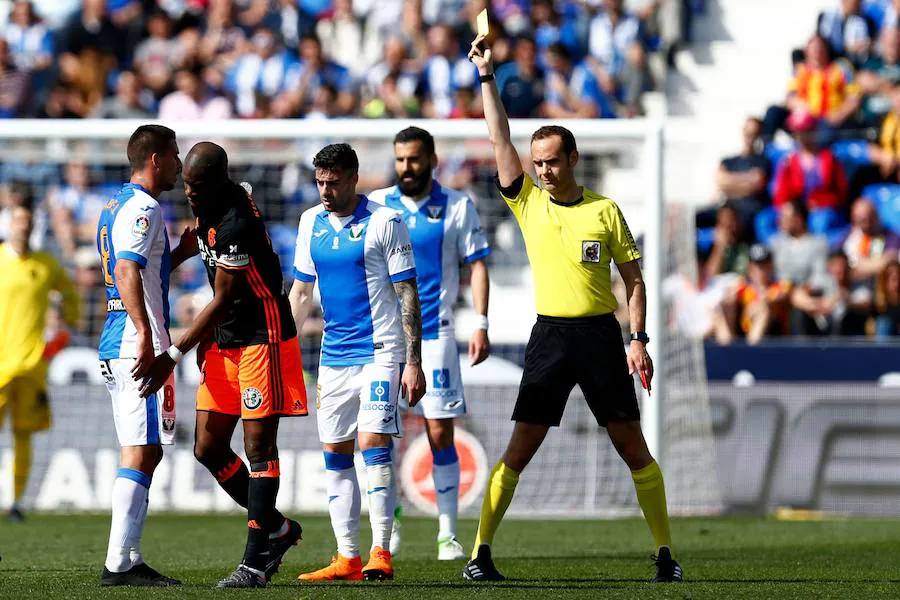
337, 157
838, 253
25, 191
547, 131
800, 209
525, 39
416, 134
309, 37
146, 141
561, 51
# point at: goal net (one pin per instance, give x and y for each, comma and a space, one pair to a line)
73, 167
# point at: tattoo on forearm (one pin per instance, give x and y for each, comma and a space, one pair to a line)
411, 317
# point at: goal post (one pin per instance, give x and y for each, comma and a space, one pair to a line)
621, 158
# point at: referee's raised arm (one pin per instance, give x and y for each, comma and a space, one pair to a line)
509, 167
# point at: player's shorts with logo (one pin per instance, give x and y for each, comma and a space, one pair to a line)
357, 398
444, 397
139, 421
587, 351
28, 405
253, 382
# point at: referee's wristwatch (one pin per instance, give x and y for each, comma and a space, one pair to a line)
640, 336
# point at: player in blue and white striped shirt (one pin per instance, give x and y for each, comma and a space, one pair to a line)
445, 231
136, 262
360, 253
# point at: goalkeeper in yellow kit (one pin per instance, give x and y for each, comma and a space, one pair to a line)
25, 288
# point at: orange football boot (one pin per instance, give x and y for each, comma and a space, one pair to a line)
340, 569
379, 566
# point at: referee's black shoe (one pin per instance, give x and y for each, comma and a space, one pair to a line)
481, 568
667, 568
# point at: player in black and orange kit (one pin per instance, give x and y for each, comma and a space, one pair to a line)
250, 363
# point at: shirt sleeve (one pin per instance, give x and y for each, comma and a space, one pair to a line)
621, 242
517, 190
136, 226
304, 267
397, 248
472, 244
232, 244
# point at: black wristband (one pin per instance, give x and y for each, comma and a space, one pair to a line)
485, 78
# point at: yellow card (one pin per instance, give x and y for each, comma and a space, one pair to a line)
481, 23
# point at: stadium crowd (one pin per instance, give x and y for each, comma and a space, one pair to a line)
303, 59
804, 237
219, 59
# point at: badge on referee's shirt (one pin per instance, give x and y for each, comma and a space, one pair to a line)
590, 251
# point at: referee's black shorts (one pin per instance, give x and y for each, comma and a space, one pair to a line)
588, 351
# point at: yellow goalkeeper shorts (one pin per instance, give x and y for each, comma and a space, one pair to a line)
27, 401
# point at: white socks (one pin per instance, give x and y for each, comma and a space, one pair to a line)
381, 494
135, 554
129, 511
445, 472
344, 504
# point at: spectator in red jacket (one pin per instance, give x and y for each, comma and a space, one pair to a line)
810, 173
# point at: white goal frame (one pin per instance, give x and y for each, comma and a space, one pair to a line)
650, 133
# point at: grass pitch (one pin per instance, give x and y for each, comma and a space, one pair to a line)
60, 556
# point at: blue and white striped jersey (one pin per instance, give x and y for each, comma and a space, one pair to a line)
131, 227
356, 260
445, 231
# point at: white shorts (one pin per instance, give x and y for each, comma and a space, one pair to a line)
139, 421
444, 397
358, 398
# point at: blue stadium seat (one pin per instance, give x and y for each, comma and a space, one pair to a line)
766, 224
836, 236
705, 238
853, 153
886, 197
875, 10
828, 222
775, 152
824, 220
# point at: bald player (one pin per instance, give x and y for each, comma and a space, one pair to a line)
249, 357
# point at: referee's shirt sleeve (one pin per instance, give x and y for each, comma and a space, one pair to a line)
517, 192
621, 243
397, 247
304, 267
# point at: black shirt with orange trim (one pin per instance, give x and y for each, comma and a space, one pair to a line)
233, 236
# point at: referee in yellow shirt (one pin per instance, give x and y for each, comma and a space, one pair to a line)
25, 286
571, 235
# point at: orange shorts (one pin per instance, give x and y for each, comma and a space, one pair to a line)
253, 382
